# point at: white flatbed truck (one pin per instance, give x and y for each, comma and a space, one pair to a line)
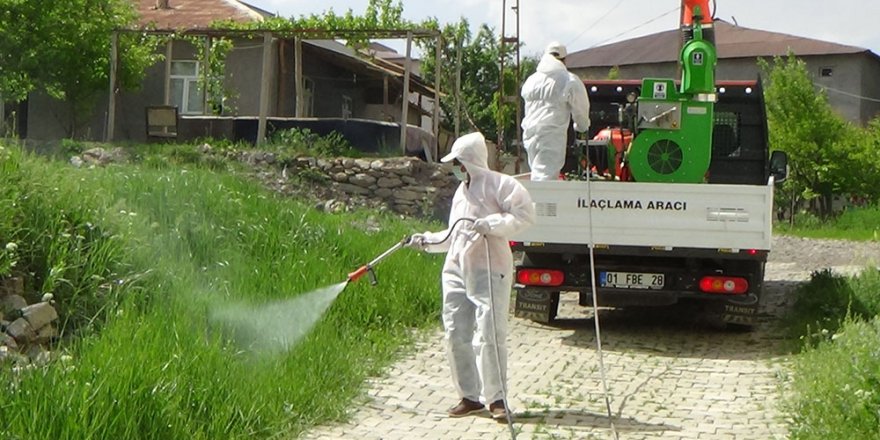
659, 243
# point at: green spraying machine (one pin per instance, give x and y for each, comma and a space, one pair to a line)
674, 143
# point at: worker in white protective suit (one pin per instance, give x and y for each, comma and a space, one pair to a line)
477, 274
553, 96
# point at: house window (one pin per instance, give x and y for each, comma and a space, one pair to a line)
826, 72
185, 91
346, 107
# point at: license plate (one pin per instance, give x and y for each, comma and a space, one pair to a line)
632, 280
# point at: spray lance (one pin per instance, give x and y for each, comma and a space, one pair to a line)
368, 268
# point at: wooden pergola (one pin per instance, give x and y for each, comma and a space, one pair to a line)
297, 35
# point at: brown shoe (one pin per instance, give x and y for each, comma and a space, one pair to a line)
498, 410
465, 408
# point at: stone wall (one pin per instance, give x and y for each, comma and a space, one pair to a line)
26, 331
406, 185
403, 185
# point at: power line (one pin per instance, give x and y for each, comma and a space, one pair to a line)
851, 95
595, 23
636, 27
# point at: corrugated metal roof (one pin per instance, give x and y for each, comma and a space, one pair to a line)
195, 14
731, 42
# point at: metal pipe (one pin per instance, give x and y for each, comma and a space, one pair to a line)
368, 268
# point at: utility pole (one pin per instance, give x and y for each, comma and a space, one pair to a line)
506, 97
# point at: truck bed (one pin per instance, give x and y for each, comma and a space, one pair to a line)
654, 215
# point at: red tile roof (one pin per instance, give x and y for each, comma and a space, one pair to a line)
194, 14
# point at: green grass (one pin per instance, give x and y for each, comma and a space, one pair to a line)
821, 305
860, 224
138, 257
835, 386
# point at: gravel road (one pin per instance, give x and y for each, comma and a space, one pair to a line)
668, 376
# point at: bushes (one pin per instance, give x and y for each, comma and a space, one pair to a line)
824, 303
835, 386
306, 142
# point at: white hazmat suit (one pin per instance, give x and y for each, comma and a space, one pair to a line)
552, 96
477, 274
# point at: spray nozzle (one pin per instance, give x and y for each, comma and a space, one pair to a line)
363, 270
369, 266
359, 273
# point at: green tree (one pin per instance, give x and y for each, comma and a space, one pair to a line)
63, 49
481, 107
821, 146
867, 158
614, 73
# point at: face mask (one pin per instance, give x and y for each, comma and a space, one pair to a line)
461, 175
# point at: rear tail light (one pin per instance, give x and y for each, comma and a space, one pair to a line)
540, 277
724, 285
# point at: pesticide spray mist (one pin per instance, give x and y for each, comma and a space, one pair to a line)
276, 326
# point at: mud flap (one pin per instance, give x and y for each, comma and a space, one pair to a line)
741, 312
536, 306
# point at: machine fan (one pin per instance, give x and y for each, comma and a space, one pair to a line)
664, 156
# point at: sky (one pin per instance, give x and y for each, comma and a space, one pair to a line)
589, 23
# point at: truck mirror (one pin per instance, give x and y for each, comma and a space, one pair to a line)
779, 166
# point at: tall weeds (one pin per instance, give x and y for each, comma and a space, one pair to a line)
835, 384
138, 258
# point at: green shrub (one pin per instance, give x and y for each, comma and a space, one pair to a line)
835, 385
823, 304
72, 147
835, 389
304, 141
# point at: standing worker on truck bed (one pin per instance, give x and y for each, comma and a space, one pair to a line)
553, 96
